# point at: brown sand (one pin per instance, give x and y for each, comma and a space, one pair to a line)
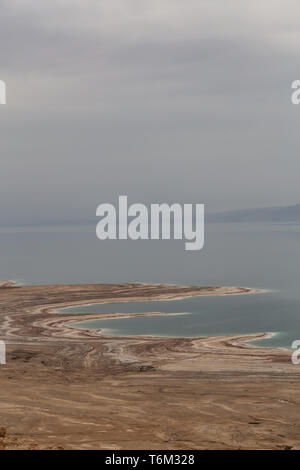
76, 389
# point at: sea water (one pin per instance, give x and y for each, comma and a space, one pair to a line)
251, 255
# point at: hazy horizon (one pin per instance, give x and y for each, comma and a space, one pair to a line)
266, 214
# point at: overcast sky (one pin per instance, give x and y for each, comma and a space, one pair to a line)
162, 100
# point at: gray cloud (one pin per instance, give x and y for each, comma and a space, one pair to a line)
160, 100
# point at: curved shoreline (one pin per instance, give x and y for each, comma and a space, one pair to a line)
82, 390
39, 304
62, 324
81, 317
65, 328
42, 302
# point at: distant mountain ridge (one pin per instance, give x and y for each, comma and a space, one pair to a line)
265, 214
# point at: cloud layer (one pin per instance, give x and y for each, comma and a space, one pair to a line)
162, 100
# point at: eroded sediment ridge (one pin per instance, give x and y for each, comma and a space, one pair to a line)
29, 312
74, 388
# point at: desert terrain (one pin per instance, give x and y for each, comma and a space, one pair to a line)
65, 388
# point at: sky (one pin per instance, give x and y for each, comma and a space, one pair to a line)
159, 100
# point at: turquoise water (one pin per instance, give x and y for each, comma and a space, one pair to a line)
262, 256
203, 316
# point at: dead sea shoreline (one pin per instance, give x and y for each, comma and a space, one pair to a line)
71, 319
68, 388
40, 320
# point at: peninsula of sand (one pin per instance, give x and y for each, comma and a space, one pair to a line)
71, 388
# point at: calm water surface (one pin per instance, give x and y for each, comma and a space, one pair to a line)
252, 255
